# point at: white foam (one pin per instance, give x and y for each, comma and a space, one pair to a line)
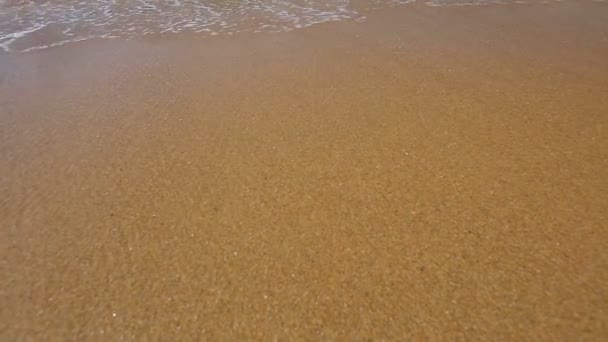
7, 39
27, 25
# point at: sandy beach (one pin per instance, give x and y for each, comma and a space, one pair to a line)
430, 173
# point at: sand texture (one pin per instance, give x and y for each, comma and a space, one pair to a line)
430, 173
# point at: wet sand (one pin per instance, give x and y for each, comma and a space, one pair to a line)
431, 173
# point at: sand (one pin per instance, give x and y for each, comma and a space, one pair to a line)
430, 173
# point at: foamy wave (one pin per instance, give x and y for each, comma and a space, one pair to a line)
27, 25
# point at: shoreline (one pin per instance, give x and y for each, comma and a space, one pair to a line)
426, 174
31, 38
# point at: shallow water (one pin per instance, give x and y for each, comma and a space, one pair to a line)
36, 24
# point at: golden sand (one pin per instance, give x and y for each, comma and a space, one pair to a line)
431, 173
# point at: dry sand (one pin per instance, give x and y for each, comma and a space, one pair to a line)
431, 173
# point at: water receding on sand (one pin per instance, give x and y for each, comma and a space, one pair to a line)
37, 24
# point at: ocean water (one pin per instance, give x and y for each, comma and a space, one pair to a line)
27, 25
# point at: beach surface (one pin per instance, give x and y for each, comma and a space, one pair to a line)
429, 173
